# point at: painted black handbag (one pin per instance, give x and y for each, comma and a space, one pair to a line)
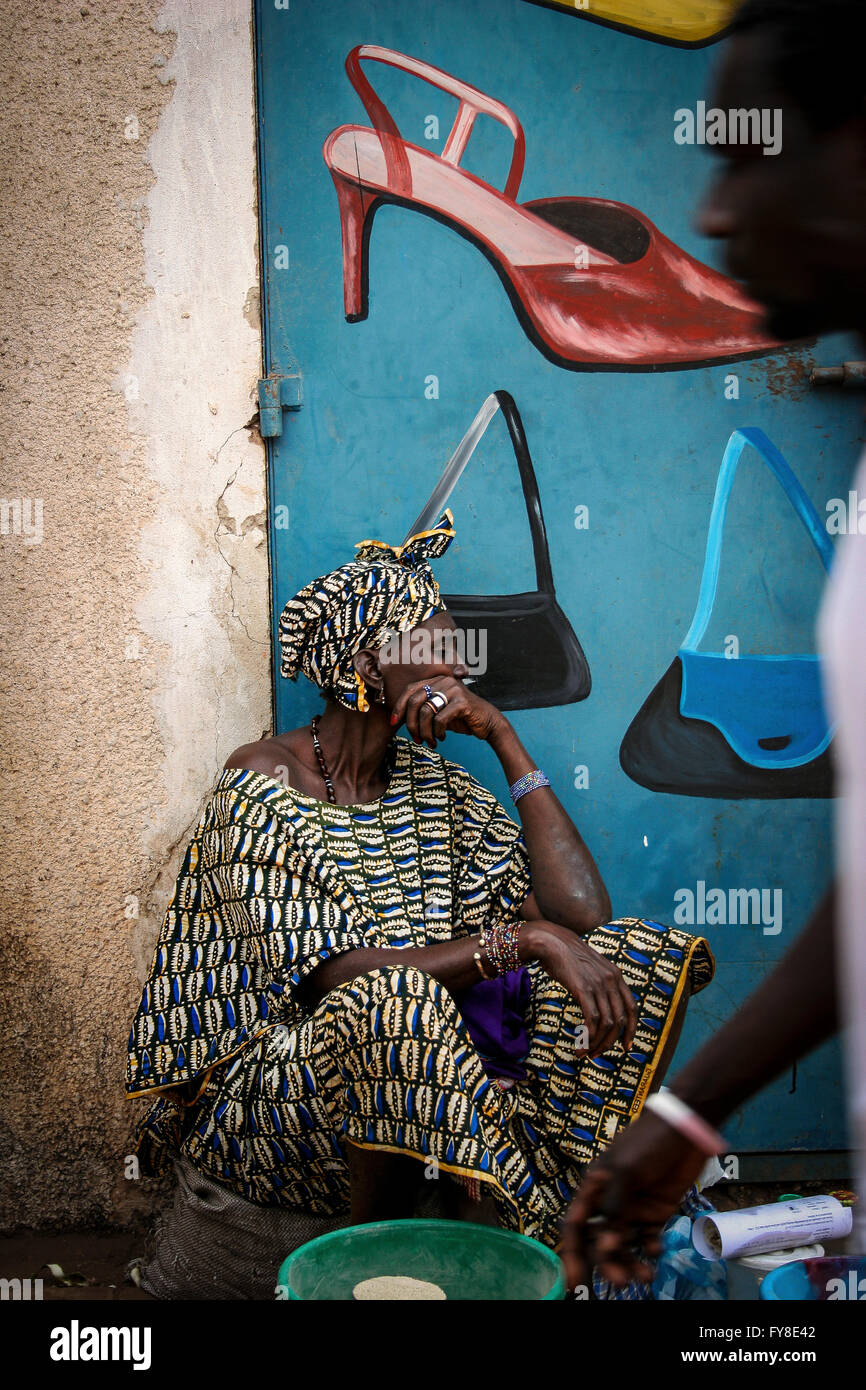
534, 659
747, 727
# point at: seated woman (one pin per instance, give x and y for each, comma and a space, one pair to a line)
315, 1027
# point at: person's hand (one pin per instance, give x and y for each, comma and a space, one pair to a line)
624, 1199
595, 982
465, 712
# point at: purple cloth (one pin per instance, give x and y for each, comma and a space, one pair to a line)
493, 1011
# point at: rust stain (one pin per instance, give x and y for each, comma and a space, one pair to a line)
788, 375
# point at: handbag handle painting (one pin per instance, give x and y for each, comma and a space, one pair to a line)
796, 494
529, 483
769, 708
432, 510
535, 658
753, 726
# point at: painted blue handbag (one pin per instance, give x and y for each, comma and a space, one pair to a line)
750, 726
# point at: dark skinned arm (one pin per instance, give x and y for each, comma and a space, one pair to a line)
794, 1010
567, 886
449, 962
605, 1000
632, 1189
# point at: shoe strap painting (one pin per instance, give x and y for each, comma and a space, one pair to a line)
750, 726
472, 103
534, 659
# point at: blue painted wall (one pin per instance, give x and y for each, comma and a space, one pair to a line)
641, 450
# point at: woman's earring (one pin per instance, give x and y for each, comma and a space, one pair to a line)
380, 698
363, 703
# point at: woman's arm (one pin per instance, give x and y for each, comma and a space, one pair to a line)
449, 962
566, 884
605, 1000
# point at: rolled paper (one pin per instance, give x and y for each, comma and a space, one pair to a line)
727, 1235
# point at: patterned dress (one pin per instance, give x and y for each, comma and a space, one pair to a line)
261, 1092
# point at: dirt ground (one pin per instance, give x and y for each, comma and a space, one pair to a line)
94, 1263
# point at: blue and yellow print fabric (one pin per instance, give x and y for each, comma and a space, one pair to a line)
262, 1092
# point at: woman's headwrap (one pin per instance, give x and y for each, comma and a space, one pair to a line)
385, 589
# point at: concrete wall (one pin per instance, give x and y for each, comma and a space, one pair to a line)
135, 627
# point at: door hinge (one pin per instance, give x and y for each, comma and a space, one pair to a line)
848, 374
278, 391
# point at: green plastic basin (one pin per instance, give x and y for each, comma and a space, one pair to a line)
465, 1260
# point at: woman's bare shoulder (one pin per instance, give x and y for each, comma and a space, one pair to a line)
271, 756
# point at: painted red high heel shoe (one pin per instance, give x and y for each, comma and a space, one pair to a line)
594, 284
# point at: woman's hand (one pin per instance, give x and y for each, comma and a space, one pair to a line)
465, 713
595, 982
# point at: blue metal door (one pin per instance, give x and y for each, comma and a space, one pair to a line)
382, 343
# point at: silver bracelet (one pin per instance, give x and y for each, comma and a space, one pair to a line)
528, 784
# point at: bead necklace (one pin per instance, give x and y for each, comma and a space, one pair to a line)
323, 766
390, 756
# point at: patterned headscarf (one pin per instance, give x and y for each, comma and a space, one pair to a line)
385, 589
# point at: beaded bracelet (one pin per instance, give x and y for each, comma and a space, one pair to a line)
528, 783
501, 943
508, 934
